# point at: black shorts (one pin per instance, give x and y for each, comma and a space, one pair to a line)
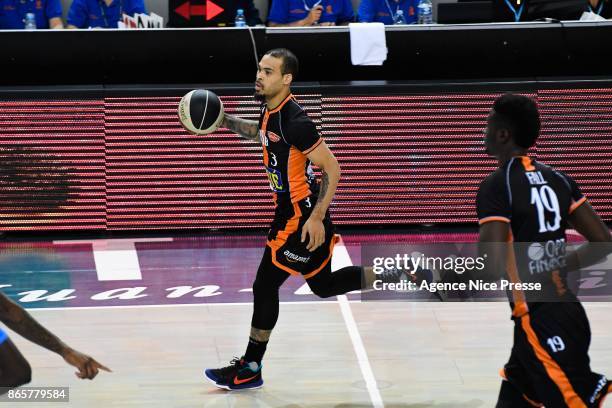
287, 251
549, 363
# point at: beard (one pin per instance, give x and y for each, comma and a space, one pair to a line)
259, 97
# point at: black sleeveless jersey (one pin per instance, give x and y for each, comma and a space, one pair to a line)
536, 201
287, 135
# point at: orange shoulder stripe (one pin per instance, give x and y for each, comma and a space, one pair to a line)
314, 146
576, 204
493, 218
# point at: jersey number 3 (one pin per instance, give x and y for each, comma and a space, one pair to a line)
546, 201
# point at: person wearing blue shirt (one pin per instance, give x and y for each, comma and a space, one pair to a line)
384, 11
48, 13
292, 13
602, 8
101, 13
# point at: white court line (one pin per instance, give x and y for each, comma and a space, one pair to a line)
115, 259
341, 259
250, 304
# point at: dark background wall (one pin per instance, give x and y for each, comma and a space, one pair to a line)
409, 155
95, 112
192, 56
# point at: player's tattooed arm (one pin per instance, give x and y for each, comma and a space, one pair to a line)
313, 228
324, 186
20, 321
330, 175
248, 129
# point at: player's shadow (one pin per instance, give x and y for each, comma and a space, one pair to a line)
260, 398
428, 404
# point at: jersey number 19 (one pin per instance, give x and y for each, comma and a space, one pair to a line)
545, 201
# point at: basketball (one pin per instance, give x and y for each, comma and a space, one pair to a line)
200, 112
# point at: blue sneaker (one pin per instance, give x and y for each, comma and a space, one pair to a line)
239, 375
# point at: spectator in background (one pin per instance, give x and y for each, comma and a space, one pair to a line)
101, 13
48, 13
299, 13
600, 7
510, 10
385, 11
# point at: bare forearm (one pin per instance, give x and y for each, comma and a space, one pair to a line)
586, 255
56, 23
327, 190
248, 129
494, 256
300, 23
21, 322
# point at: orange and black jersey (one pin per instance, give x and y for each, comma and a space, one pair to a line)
536, 201
287, 135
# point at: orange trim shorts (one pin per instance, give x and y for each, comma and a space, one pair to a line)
549, 363
284, 239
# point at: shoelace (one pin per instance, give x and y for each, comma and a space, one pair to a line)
394, 275
233, 365
390, 275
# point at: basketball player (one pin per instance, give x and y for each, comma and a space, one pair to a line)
301, 238
528, 202
14, 369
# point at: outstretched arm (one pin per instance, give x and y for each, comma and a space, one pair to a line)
248, 129
21, 322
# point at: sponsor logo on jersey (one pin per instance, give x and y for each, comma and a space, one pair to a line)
273, 137
600, 385
263, 137
546, 256
275, 179
291, 257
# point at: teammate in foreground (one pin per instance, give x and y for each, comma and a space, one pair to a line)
528, 202
14, 369
36, 181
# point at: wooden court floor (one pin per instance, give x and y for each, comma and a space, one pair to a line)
421, 354
338, 353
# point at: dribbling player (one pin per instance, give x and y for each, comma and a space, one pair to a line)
301, 237
526, 201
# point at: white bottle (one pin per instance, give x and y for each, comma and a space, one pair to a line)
399, 18
30, 21
424, 12
240, 20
